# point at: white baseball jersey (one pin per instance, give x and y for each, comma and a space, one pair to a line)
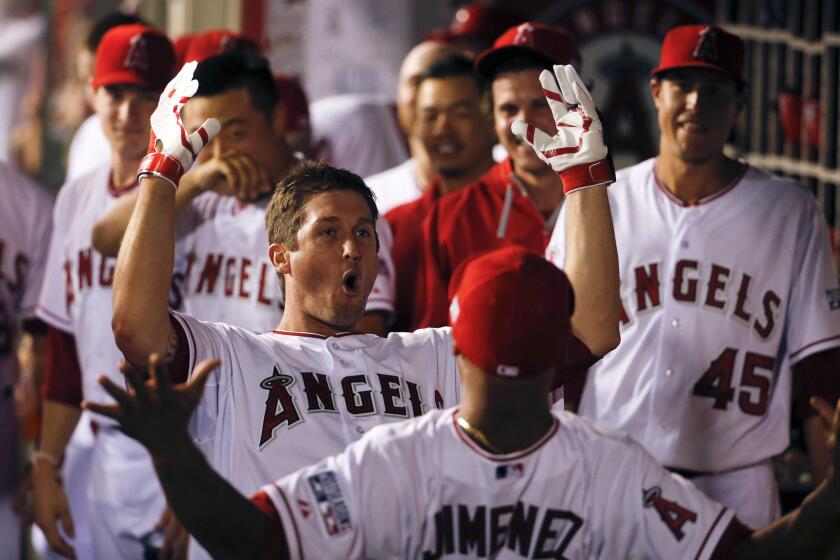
422, 489
88, 150
396, 186
76, 298
719, 300
222, 272
281, 401
358, 132
25, 225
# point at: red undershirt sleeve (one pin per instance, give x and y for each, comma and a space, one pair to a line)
816, 376
735, 533
62, 373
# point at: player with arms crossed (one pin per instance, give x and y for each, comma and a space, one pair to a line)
500, 476
288, 398
727, 288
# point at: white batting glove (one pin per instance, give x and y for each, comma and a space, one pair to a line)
577, 152
175, 150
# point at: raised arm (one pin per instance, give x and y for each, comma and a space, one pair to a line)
578, 155
144, 267
156, 414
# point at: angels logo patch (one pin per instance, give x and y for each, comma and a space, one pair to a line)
331, 504
672, 514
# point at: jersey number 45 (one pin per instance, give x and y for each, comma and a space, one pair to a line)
754, 389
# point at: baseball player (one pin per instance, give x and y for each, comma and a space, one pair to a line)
24, 236
456, 130
500, 476
406, 181
517, 201
727, 289
125, 502
223, 272
289, 397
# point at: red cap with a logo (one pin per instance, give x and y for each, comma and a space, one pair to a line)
133, 55
511, 312
218, 41
476, 20
551, 45
702, 46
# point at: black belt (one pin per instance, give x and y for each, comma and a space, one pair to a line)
688, 474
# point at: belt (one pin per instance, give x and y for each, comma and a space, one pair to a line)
688, 474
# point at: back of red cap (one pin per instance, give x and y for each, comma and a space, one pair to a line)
702, 46
511, 312
550, 45
217, 41
133, 55
290, 93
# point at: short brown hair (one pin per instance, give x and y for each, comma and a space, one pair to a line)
308, 178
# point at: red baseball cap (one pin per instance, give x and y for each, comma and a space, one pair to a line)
291, 94
181, 44
551, 45
217, 41
511, 312
133, 54
476, 21
702, 46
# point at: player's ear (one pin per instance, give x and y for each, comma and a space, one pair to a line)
280, 258
655, 88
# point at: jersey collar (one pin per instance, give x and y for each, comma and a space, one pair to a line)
505, 458
314, 335
676, 200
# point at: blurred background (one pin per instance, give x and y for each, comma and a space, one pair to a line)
337, 47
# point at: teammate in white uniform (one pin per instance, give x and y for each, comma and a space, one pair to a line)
125, 504
500, 476
406, 182
727, 288
305, 390
25, 225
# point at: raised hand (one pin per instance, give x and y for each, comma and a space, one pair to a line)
153, 411
175, 149
576, 152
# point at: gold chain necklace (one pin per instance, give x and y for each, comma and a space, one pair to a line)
477, 435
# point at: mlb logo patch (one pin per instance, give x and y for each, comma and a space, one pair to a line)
511, 470
331, 504
507, 371
833, 296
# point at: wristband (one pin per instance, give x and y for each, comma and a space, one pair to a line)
586, 175
44, 456
161, 165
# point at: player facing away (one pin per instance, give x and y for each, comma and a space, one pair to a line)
501, 475
125, 503
288, 398
728, 292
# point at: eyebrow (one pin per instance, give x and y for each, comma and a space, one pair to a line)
337, 219
236, 120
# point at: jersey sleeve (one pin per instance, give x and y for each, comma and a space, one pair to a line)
383, 294
346, 506
648, 512
53, 300
814, 306
39, 249
205, 341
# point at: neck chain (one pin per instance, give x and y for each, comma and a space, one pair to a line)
478, 436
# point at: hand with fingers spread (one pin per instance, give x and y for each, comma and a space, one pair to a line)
175, 150
831, 418
576, 152
153, 411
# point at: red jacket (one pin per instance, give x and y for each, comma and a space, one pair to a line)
405, 221
469, 221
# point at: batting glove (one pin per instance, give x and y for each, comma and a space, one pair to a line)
577, 152
172, 149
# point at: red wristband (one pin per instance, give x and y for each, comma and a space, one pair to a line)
586, 175
161, 165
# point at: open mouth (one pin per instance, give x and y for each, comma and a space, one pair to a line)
350, 283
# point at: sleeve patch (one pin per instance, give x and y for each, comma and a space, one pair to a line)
332, 505
833, 296
673, 515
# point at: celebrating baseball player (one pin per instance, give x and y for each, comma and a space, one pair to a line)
25, 226
222, 271
728, 289
499, 476
288, 398
132, 63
